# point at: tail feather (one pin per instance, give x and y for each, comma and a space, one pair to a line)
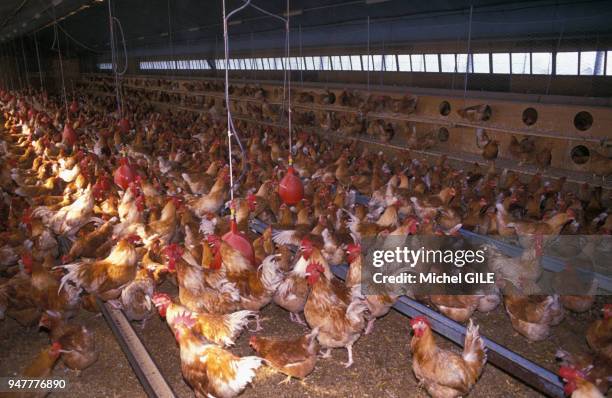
474, 350
271, 275
235, 322
245, 371
285, 237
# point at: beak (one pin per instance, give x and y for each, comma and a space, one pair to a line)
148, 302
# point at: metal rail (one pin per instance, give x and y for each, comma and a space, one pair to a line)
510, 362
145, 369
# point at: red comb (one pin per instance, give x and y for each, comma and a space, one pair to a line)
56, 346
417, 319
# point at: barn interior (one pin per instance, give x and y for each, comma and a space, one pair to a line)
183, 175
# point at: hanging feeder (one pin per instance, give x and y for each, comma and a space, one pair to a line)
74, 106
124, 125
125, 174
238, 241
290, 188
69, 136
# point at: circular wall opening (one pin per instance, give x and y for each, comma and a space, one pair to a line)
580, 154
583, 121
443, 134
530, 116
445, 108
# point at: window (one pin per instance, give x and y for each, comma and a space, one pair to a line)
418, 63
609, 64
346, 62
366, 61
390, 63
521, 63
356, 62
431, 63
462, 62
447, 63
591, 63
480, 63
377, 61
541, 63
316, 63
403, 62
336, 63
279, 64
501, 63
567, 63
325, 63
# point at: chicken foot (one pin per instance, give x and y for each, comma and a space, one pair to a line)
294, 317
349, 363
258, 326
370, 326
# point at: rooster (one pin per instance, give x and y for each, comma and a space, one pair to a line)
331, 308
219, 329
107, 277
210, 370
445, 373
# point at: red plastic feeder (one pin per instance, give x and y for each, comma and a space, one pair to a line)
125, 174
290, 188
238, 241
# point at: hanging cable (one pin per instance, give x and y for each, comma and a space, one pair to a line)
468, 62
25, 64
288, 77
111, 22
56, 40
38, 61
230, 127
369, 56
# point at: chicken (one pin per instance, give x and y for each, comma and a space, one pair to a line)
490, 150
533, 315
331, 309
378, 304
576, 385
219, 329
516, 270
165, 228
77, 341
293, 290
476, 113
201, 290
600, 165
599, 334
45, 287
293, 356
446, 373
89, 245
69, 219
17, 300
107, 277
596, 369
211, 370
213, 200
136, 297
44, 363
552, 226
